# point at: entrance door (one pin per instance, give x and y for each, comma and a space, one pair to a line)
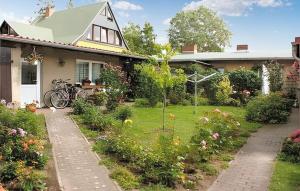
5, 74
30, 87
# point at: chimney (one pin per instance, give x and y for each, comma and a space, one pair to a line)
49, 10
242, 48
189, 49
296, 49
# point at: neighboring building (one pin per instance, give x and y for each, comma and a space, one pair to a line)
296, 55
74, 44
229, 61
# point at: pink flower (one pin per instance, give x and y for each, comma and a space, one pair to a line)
22, 133
215, 136
297, 140
13, 132
295, 134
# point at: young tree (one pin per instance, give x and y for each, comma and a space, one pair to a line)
202, 27
149, 39
162, 75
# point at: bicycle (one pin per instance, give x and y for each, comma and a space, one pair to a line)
62, 94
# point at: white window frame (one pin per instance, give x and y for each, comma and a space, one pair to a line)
91, 62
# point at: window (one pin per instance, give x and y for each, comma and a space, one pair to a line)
103, 35
111, 37
109, 15
96, 70
82, 71
118, 39
96, 33
103, 12
29, 74
89, 34
88, 70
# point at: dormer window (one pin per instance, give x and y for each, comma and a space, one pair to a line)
109, 16
104, 12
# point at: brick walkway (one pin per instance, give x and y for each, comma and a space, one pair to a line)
76, 164
253, 165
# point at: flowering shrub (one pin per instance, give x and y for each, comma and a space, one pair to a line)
22, 150
271, 108
216, 131
95, 119
291, 148
163, 164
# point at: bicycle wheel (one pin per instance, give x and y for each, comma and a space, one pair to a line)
47, 98
59, 100
81, 94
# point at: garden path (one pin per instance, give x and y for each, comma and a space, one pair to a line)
252, 168
76, 165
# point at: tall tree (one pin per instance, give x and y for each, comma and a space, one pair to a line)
149, 39
140, 40
202, 27
134, 38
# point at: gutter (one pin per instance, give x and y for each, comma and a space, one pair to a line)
38, 42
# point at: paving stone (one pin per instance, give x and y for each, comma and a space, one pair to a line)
252, 167
77, 165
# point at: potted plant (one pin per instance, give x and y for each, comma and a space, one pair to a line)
32, 107
86, 82
98, 82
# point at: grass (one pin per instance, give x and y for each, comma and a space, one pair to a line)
286, 177
147, 122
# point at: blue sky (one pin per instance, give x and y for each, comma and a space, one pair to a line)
265, 25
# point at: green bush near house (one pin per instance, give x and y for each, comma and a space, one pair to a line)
125, 178
271, 108
80, 106
123, 113
96, 120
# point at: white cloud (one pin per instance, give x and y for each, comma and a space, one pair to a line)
11, 16
125, 5
123, 14
234, 7
167, 21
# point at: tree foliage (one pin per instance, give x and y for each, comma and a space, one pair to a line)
202, 27
42, 5
275, 75
140, 40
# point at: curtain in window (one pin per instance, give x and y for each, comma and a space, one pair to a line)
82, 71
96, 71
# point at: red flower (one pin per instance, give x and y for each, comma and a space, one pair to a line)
297, 140
295, 134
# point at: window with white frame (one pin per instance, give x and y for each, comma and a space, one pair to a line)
88, 70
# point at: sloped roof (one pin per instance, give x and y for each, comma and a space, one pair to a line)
213, 56
27, 30
77, 20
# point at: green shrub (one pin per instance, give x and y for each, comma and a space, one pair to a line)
162, 165
141, 102
157, 187
290, 151
215, 132
209, 169
177, 94
268, 109
125, 178
244, 79
99, 98
80, 106
8, 172
96, 120
113, 100
123, 113
224, 92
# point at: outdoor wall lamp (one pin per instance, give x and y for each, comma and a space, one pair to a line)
296, 48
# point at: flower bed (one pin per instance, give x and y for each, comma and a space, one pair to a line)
22, 152
169, 161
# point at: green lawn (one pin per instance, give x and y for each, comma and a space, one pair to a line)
148, 121
286, 177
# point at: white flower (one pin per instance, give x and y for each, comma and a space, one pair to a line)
3, 102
